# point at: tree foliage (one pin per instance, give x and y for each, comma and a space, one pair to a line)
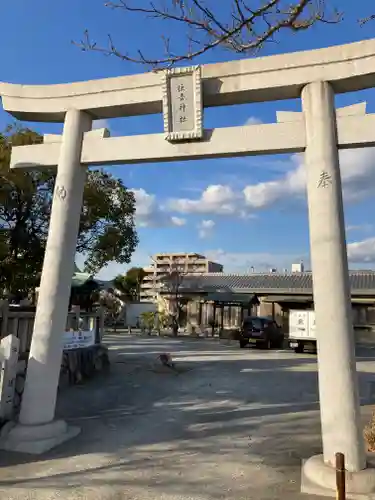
129, 284
170, 284
148, 319
107, 231
242, 26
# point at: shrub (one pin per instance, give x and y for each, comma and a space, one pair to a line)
148, 320
369, 434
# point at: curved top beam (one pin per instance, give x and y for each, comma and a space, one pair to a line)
348, 67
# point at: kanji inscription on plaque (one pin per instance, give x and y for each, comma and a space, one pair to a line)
182, 104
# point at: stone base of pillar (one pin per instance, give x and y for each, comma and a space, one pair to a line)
319, 478
37, 439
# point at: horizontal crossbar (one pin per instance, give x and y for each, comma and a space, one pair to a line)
273, 138
348, 68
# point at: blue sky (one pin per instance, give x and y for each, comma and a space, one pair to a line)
225, 208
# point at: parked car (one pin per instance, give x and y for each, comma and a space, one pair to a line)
258, 331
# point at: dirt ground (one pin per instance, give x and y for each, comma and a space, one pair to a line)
229, 423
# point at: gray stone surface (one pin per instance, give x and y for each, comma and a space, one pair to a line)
44, 364
338, 394
348, 67
230, 424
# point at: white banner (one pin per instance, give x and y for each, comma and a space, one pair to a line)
78, 339
10, 347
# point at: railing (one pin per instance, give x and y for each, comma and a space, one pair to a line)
19, 321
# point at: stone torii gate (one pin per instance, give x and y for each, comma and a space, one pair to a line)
181, 94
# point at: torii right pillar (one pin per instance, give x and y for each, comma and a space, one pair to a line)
338, 384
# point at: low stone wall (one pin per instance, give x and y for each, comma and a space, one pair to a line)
77, 366
80, 364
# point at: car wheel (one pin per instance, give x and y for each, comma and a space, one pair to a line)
299, 349
277, 344
267, 344
242, 344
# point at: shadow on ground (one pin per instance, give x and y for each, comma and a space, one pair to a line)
230, 424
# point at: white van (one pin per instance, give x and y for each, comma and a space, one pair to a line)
302, 330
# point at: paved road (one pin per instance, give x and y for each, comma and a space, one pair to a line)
231, 424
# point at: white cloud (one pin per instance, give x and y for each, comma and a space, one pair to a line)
108, 272
215, 199
253, 120
242, 262
205, 228
150, 214
362, 252
263, 194
357, 172
178, 221
140, 258
358, 179
365, 228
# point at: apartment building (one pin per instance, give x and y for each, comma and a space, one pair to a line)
163, 263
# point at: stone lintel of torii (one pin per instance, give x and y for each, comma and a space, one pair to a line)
355, 129
181, 95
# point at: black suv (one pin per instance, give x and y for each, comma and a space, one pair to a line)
261, 332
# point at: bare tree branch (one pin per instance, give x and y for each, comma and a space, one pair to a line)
244, 28
366, 19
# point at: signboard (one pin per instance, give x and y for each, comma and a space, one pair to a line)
302, 324
298, 324
78, 339
9, 353
182, 104
312, 326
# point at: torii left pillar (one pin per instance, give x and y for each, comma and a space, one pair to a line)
37, 430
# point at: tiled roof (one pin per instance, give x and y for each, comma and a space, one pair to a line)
360, 282
80, 279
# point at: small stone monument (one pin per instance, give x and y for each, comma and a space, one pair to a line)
9, 354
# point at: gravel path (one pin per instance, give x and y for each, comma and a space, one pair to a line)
228, 424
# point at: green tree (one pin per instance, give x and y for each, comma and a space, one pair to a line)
161, 320
242, 26
129, 284
171, 284
107, 230
148, 321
